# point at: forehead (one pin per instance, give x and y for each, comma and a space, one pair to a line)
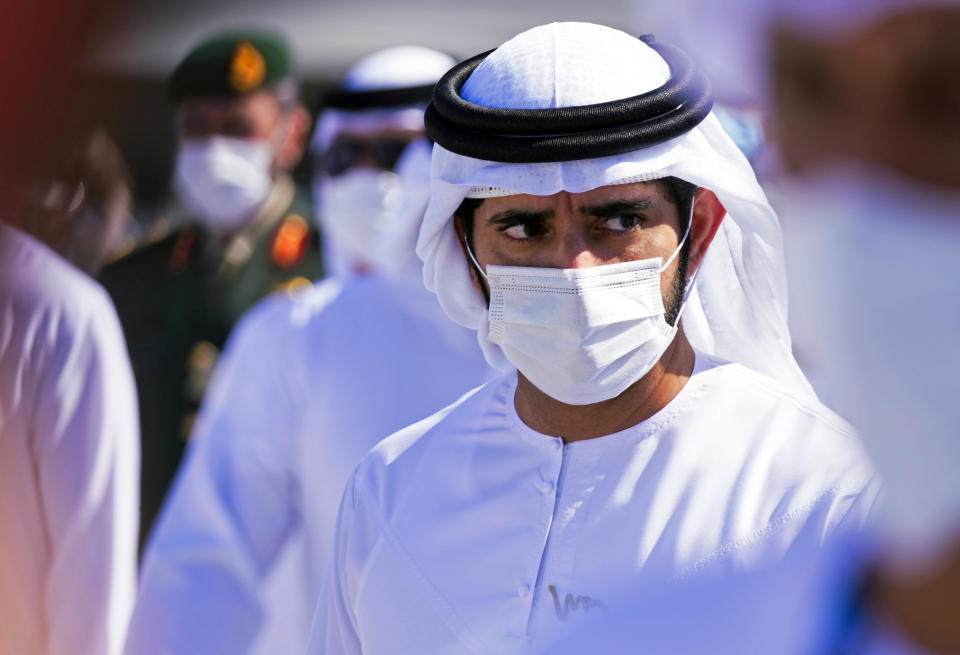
253, 105
652, 191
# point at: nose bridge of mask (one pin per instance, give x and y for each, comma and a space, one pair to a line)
259, 151
588, 297
228, 156
364, 189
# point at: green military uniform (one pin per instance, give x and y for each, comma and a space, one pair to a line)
179, 295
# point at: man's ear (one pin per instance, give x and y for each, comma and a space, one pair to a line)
458, 228
293, 147
707, 215
461, 237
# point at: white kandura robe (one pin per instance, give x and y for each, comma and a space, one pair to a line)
69, 459
471, 533
306, 387
805, 603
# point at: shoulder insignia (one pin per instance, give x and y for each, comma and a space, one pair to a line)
200, 364
157, 230
293, 286
182, 248
247, 68
125, 246
289, 242
133, 249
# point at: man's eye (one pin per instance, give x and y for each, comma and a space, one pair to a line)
522, 231
621, 223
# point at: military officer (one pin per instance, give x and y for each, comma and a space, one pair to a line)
244, 230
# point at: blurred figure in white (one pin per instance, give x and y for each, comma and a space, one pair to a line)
367, 123
309, 383
728, 40
68, 417
69, 459
866, 96
83, 211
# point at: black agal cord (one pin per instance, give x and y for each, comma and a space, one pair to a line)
569, 133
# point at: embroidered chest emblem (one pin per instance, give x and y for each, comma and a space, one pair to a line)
570, 603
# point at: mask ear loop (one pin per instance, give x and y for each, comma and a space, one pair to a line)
276, 144
683, 240
475, 262
484, 288
688, 286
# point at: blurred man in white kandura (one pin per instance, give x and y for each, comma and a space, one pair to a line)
69, 448
865, 96
867, 100
69, 459
309, 384
583, 197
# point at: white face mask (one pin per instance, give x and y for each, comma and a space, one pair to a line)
396, 254
223, 179
581, 335
356, 208
882, 283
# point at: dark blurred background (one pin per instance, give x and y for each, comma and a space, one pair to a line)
142, 41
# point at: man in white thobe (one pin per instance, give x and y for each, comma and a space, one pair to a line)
69, 459
309, 384
575, 214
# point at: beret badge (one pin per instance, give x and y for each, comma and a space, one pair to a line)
247, 68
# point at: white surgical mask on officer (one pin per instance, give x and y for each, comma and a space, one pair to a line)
224, 179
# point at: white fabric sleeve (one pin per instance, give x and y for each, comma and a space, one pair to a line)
855, 512
233, 506
88, 457
334, 630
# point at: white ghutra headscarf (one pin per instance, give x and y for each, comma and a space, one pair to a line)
389, 244
737, 309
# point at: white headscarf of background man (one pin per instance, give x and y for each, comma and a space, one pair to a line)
369, 188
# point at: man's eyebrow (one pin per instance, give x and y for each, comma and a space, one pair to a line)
515, 216
615, 207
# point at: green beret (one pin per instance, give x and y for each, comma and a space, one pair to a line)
231, 65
